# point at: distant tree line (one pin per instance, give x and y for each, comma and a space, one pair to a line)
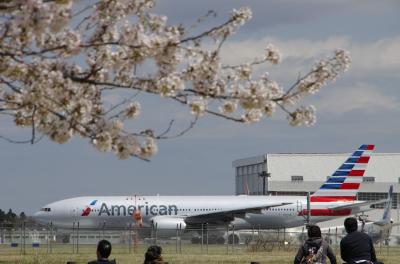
11, 218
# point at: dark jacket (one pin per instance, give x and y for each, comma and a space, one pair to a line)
357, 246
102, 261
314, 244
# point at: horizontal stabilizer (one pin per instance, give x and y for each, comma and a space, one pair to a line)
358, 204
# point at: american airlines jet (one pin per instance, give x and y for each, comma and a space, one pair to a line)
381, 230
335, 198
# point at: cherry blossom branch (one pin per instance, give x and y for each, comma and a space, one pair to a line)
164, 135
53, 73
15, 141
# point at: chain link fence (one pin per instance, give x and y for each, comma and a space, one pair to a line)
25, 239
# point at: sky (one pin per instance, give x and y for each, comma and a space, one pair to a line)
362, 106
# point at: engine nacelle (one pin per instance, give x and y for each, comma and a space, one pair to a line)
170, 223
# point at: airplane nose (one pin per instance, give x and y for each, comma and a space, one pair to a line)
36, 215
39, 217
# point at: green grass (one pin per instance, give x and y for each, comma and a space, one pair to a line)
190, 254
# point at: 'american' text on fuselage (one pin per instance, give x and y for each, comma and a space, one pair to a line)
146, 209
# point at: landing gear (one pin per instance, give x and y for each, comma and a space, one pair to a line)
220, 240
196, 240
233, 239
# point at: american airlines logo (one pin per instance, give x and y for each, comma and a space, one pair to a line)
88, 208
146, 209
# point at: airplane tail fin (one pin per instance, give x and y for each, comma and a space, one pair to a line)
386, 214
344, 183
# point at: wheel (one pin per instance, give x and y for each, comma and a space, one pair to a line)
233, 239
196, 240
220, 240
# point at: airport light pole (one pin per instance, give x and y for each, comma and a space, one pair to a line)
308, 211
265, 175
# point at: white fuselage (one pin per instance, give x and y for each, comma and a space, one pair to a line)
117, 211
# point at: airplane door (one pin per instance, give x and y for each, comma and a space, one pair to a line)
75, 213
299, 206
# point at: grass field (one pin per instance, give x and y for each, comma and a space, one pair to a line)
190, 254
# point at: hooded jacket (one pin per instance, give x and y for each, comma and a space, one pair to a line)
312, 245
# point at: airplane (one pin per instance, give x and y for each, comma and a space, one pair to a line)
380, 230
335, 198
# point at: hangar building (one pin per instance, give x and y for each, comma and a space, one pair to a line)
298, 174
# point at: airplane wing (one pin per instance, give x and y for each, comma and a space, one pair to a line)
223, 217
357, 204
379, 223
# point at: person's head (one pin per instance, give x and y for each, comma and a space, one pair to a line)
152, 253
314, 231
103, 249
350, 224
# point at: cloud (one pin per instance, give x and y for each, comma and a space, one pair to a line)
292, 49
298, 55
381, 56
273, 13
361, 96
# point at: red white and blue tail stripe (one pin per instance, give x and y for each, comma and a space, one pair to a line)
345, 181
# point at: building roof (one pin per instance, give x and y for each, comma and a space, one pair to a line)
385, 167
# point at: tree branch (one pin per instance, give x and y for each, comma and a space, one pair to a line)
163, 134
206, 33
15, 141
33, 125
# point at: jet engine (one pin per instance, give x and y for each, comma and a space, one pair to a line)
160, 222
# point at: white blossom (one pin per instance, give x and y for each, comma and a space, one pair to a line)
272, 54
133, 110
303, 116
241, 15
269, 108
198, 107
343, 59
126, 146
170, 85
103, 141
252, 116
244, 72
61, 132
228, 107
149, 148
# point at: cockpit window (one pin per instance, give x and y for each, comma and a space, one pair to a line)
45, 209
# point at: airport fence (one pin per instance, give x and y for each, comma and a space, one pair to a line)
26, 239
